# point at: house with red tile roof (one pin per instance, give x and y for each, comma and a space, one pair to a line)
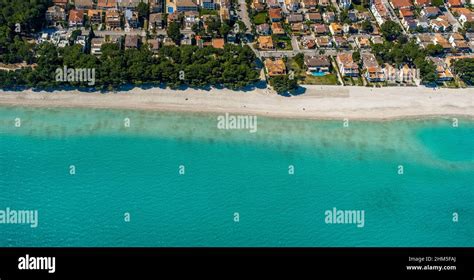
398, 4
76, 18
454, 3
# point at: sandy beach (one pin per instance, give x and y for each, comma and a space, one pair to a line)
317, 102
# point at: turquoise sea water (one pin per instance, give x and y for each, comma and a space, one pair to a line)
136, 170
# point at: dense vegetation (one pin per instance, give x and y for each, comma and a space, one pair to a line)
406, 53
232, 67
391, 30
283, 84
465, 69
18, 18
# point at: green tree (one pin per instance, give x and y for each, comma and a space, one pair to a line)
174, 32
391, 30
143, 10
367, 26
434, 50
464, 68
283, 84
356, 56
437, 3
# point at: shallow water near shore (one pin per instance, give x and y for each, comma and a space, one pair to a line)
135, 170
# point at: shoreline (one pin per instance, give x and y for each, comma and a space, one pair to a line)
317, 102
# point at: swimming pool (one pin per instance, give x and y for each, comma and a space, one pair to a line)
318, 74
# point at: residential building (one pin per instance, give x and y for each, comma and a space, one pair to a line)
329, 17
442, 69
323, 42
83, 4
263, 29
454, 3
399, 4
345, 4
129, 4
309, 4
156, 21
156, 6
112, 18
96, 45
274, 14
209, 4
95, 16
294, 18
277, 28
314, 17
55, 14
265, 42
362, 42
131, 42
443, 42
131, 19
61, 3
106, 4
190, 19
76, 18
440, 24
379, 11
430, 12
347, 67
464, 15
317, 64
320, 29
422, 3
335, 29
373, 72
292, 5
275, 67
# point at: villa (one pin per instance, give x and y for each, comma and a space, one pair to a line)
347, 66
275, 67
317, 64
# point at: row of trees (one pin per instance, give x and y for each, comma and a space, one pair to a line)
233, 67
464, 68
410, 53
19, 18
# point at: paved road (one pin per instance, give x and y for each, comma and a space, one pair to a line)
244, 15
331, 52
336, 5
132, 32
294, 43
452, 19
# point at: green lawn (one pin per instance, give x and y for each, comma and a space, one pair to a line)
260, 18
282, 39
203, 12
329, 79
359, 8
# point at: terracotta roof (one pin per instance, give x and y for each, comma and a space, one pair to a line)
277, 28
422, 2
76, 15
274, 13
275, 67
106, 3
454, 3
218, 43
265, 42
401, 3
346, 60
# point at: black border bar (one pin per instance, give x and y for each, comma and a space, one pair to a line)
350, 262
